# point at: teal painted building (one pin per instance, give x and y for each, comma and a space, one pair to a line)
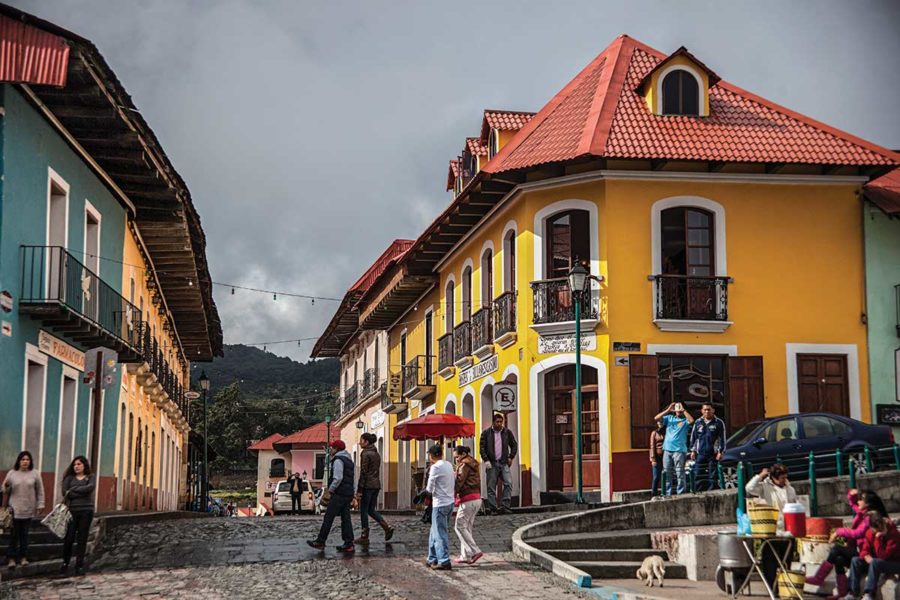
61, 243
882, 235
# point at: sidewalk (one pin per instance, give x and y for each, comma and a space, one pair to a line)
675, 589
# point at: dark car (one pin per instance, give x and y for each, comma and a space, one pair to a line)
790, 438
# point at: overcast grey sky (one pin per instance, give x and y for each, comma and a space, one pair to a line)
311, 134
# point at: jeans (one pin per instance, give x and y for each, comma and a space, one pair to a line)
706, 473
673, 464
338, 505
656, 469
18, 539
465, 520
296, 504
493, 473
78, 530
840, 557
439, 536
873, 572
367, 506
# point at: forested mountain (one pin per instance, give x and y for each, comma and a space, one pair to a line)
254, 393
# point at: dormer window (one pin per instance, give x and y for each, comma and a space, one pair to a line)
493, 143
680, 93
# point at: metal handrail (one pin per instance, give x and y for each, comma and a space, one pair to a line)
445, 351
504, 313
462, 340
691, 297
553, 302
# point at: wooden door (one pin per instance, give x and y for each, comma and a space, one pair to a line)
822, 382
559, 393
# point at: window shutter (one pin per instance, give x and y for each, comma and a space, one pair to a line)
746, 400
644, 388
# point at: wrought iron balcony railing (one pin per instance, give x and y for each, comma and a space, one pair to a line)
462, 340
351, 396
417, 375
504, 314
482, 332
445, 351
553, 302
59, 289
369, 383
682, 297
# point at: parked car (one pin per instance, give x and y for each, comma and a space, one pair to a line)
791, 438
281, 498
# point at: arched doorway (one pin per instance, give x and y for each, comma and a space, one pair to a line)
559, 398
468, 411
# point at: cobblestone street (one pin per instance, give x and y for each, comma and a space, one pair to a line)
249, 558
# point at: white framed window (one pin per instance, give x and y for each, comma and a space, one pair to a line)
34, 401
487, 274
681, 91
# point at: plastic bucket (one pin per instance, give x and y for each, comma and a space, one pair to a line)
813, 552
763, 519
819, 528
795, 519
798, 578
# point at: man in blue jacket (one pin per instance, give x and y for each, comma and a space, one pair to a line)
707, 446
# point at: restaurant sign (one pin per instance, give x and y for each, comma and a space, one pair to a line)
61, 351
476, 372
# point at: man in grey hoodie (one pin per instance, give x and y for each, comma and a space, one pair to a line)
338, 498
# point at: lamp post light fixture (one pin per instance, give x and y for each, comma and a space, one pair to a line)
327, 451
579, 285
204, 386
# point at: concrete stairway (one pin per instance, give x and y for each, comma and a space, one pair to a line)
44, 553
608, 555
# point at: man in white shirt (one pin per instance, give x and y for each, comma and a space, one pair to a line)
441, 482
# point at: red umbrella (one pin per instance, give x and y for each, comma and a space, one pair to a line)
434, 427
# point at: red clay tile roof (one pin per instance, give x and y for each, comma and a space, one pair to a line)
476, 147
503, 120
884, 192
316, 435
599, 114
266, 443
393, 252
452, 174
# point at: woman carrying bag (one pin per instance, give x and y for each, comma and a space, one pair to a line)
78, 493
25, 496
468, 502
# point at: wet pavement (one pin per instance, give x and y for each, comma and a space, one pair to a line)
258, 557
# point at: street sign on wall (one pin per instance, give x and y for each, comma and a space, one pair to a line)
504, 397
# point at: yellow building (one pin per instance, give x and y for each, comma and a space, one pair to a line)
725, 236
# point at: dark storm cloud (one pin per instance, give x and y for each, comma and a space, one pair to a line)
311, 134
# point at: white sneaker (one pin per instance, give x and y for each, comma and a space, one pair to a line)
868, 597
849, 596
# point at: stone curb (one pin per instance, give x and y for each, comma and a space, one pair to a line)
523, 550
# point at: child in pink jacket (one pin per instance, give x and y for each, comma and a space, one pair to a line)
861, 502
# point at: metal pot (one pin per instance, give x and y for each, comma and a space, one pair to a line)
733, 552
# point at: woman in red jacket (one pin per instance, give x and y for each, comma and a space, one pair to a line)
879, 555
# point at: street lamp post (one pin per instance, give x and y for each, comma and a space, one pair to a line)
327, 450
579, 278
204, 385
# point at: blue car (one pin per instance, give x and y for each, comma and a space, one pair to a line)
792, 437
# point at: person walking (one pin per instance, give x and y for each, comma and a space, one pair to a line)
862, 502
25, 496
497, 447
78, 489
677, 422
441, 486
879, 555
295, 486
707, 445
337, 499
368, 488
468, 503
656, 456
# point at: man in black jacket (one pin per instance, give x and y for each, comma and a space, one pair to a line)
337, 499
498, 448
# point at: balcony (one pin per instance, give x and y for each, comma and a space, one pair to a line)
351, 397
690, 303
554, 310
462, 344
159, 380
445, 356
504, 307
418, 382
483, 333
73, 301
369, 384
391, 405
